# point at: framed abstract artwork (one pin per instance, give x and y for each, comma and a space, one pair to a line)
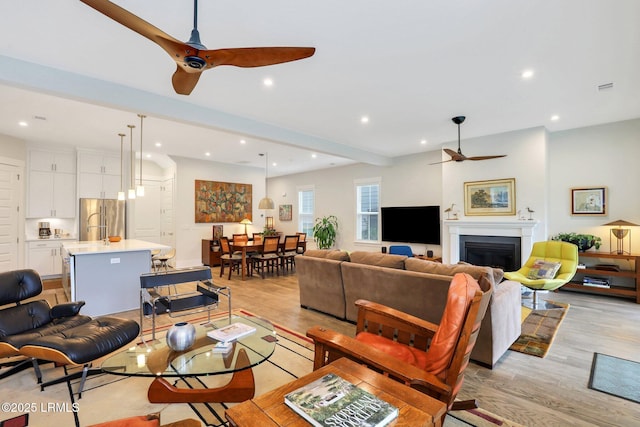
222, 201
589, 201
285, 213
494, 197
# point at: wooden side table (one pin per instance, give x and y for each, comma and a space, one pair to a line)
209, 256
269, 409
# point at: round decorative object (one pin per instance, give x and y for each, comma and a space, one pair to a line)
181, 336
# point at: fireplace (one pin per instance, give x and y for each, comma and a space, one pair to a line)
523, 230
493, 251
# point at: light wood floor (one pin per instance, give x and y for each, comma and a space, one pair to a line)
526, 389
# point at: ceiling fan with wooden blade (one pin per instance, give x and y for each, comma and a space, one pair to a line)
458, 156
192, 57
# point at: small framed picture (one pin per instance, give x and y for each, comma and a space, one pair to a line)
589, 201
495, 197
285, 213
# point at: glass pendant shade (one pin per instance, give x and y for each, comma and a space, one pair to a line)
132, 190
140, 187
121, 192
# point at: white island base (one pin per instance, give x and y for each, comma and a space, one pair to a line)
107, 277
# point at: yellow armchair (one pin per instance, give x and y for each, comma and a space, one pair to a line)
551, 251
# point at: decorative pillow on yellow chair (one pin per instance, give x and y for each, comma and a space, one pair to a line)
543, 270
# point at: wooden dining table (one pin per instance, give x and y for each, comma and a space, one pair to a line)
244, 247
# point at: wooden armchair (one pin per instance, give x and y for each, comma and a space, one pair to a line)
428, 357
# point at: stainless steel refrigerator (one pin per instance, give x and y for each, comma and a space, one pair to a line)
101, 218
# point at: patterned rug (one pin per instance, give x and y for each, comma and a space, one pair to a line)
615, 376
108, 397
539, 328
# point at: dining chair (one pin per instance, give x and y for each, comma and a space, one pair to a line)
161, 260
302, 238
233, 260
268, 256
289, 252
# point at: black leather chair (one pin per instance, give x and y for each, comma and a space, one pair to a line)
55, 334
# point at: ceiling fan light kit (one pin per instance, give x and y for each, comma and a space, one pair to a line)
192, 57
457, 156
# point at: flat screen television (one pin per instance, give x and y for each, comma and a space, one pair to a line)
411, 224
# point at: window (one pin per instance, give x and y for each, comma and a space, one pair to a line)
367, 210
305, 210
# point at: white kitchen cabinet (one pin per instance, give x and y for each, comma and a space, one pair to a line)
99, 175
44, 257
51, 184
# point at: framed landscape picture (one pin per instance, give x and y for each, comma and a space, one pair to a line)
494, 197
589, 201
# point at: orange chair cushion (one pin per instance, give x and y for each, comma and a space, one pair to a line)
403, 352
139, 421
437, 359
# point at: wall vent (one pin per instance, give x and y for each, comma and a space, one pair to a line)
605, 86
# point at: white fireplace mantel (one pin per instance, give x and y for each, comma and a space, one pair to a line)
507, 228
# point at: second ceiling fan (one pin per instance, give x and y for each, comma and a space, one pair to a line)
458, 156
192, 57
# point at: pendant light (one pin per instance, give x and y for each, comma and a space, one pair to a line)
140, 187
266, 203
121, 192
132, 190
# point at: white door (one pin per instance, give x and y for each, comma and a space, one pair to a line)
9, 202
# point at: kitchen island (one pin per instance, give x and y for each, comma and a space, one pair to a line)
106, 276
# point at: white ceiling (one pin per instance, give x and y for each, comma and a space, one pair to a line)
408, 65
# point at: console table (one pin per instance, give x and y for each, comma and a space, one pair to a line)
596, 266
210, 256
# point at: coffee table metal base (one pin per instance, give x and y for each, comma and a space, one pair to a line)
241, 387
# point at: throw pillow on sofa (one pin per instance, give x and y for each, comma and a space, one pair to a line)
378, 259
494, 275
333, 254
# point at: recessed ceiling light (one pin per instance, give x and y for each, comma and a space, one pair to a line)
364, 119
527, 74
423, 142
242, 141
207, 153
158, 144
23, 123
274, 164
314, 155
555, 118
148, 156
268, 82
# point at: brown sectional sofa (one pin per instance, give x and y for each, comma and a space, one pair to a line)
331, 282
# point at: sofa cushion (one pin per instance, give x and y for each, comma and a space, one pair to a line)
378, 259
328, 254
495, 275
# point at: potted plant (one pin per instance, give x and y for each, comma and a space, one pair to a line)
584, 242
324, 231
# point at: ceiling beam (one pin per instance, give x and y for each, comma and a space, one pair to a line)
65, 84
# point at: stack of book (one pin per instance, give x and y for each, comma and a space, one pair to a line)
598, 282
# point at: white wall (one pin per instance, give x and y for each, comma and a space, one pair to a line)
409, 181
596, 156
189, 235
545, 166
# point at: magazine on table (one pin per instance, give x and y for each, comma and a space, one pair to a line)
333, 401
231, 332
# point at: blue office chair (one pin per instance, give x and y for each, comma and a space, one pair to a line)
401, 250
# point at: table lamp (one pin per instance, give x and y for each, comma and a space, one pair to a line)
246, 222
620, 233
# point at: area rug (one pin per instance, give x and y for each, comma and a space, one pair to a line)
108, 397
615, 376
539, 329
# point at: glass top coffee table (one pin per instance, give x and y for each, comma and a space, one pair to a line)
156, 359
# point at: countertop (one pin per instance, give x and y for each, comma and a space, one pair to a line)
126, 245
